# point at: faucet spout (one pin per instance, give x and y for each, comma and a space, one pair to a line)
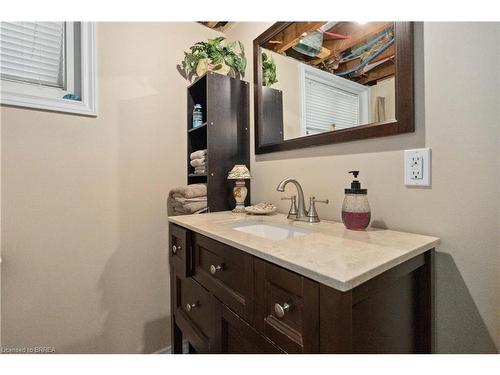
301, 211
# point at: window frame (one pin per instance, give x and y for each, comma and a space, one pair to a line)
27, 95
362, 92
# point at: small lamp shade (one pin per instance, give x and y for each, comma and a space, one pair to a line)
239, 172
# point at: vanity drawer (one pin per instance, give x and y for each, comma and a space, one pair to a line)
226, 272
238, 337
194, 313
179, 250
286, 308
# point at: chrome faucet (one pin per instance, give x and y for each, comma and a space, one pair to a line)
299, 213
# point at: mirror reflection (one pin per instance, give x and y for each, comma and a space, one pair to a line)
327, 76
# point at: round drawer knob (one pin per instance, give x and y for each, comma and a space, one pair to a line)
190, 306
215, 269
175, 249
280, 310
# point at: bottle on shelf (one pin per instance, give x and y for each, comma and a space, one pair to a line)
197, 116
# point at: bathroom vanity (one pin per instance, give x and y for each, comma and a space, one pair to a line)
247, 284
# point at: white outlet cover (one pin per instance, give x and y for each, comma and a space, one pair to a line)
418, 167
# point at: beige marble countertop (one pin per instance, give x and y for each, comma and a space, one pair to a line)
330, 254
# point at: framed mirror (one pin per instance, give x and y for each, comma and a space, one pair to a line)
325, 82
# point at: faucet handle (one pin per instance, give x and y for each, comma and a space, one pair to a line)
292, 213
318, 201
312, 214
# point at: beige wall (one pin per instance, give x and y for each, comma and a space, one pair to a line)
457, 96
0, 230
84, 229
288, 75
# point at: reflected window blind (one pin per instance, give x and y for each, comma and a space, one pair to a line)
328, 107
33, 52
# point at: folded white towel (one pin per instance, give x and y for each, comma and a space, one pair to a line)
198, 162
189, 191
198, 154
186, 208
190, 200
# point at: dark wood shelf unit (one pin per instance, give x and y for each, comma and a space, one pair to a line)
199, 128
224, 133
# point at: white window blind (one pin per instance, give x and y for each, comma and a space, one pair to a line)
329, 107
33, 52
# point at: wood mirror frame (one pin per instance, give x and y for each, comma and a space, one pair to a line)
404, 122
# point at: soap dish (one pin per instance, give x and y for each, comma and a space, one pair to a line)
261, 209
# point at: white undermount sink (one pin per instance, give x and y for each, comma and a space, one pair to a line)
270, 231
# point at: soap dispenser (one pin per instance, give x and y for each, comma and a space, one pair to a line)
356, 209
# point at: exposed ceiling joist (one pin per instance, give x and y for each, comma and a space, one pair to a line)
358, 33
386, 70
391, 51
292, 34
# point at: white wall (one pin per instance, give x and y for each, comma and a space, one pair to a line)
84, 229
457, 96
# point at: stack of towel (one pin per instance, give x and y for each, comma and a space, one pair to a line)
199, 161
190, 199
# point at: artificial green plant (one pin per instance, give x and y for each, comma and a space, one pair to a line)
216, 55
268, 70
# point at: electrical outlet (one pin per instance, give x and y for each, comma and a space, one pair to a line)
418, 167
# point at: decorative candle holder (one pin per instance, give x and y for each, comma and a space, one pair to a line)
239, 173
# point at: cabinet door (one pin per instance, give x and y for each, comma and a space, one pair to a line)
195, 313
228, 136
286, 308
180, 250
235, 336
272, 119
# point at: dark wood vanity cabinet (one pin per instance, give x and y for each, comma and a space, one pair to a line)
227, 301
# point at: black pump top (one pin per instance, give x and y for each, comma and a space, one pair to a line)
355, 185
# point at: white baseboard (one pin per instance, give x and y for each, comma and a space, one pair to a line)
165, 350
168, 349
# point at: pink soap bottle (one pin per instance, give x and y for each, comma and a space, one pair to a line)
356, 209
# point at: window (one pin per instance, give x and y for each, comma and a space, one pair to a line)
48, 65
331, 102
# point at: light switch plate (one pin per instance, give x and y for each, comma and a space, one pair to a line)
418, 167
